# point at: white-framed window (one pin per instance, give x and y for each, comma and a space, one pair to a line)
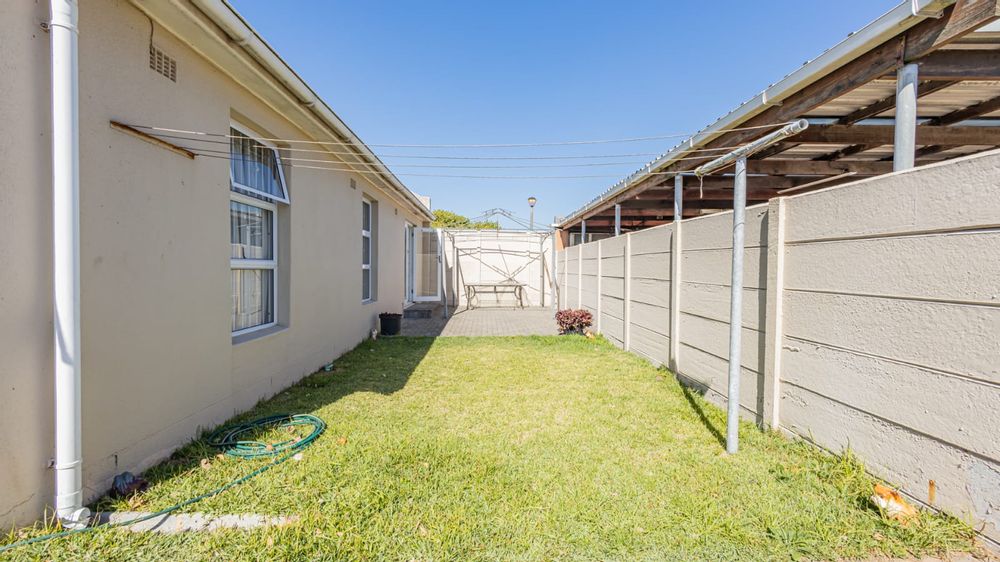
367, 277
257, 183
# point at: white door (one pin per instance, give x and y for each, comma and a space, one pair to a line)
408, 264
425, 264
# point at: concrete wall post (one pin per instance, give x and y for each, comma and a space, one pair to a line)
773, 327
600, 277
627, 312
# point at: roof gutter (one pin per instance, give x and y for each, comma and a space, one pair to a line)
904, 16
226, 17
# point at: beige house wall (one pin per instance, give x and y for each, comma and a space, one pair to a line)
159, 362
871, 316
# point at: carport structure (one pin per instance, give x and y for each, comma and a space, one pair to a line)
921, 84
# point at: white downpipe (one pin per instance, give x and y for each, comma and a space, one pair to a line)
66, 263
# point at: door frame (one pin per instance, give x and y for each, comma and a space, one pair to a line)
411, 261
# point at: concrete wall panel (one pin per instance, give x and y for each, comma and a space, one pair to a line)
650, 291
650, 317
716, 231
649, 344
651, 266
950, 337
958, 266
656, 240
712, 301
958, 194
716, 266
960, 411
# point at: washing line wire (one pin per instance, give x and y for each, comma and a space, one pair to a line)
454, 166
457, 176
501, 145
438, 157
228, 154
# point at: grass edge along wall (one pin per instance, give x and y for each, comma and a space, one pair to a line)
870, 316
159, 358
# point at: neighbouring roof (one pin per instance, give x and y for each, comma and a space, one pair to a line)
848, 96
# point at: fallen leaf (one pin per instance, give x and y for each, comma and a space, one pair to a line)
342, 441
206, 464
421, 530
220, 456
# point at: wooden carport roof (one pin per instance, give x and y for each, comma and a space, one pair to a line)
850, 110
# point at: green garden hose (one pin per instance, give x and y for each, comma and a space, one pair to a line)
226, 439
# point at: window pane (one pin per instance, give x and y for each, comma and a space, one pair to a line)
253, 298
366, 216
366, 250
366, 284
251, 232
254, 164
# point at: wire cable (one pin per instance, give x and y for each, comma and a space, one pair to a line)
451, 157
458, 176
501, 145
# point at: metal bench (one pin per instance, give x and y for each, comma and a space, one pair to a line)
472, 291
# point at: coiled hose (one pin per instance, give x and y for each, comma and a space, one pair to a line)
227, 440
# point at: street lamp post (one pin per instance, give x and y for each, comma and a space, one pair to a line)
531, 220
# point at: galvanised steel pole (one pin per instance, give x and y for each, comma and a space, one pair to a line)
736, 308
905, 127
739, 157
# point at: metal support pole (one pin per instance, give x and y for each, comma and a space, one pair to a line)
736, 308
905, 132
618, 219
739, 157
583, 232
675, 276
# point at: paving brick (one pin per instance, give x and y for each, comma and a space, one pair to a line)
484, 322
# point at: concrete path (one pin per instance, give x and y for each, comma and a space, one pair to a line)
485, 322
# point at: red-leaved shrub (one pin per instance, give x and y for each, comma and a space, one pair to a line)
573, 321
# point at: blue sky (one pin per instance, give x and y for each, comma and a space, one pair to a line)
535, 71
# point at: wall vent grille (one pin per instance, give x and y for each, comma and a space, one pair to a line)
162, 63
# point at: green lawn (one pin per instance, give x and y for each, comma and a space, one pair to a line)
531, 448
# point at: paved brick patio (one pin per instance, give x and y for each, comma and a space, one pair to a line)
485, 322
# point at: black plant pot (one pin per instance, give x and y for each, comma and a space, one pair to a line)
390, 324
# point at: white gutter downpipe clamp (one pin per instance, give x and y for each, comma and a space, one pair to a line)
66, 264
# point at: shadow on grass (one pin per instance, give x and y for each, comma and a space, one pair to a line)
384, 366
689, 392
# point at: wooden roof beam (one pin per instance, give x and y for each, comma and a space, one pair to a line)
883, 134
925, 88
960, 64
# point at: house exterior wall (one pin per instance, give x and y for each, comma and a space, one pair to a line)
158, 359
870, 321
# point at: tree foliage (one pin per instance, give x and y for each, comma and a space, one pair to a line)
448, 219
